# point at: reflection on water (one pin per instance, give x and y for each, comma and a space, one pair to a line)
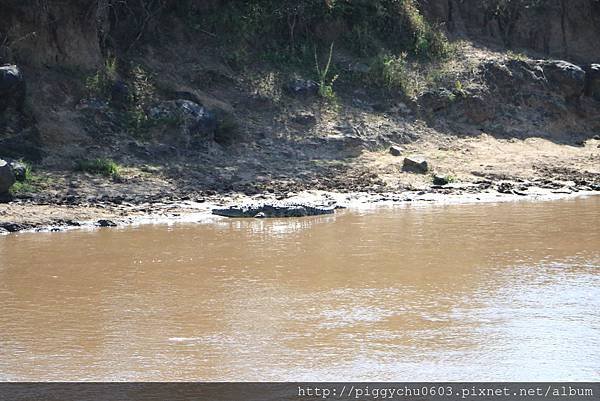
472, 292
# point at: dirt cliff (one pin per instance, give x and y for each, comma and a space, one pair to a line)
565, 29
76, 32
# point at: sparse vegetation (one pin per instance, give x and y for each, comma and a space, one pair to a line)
292, 28
459, 89
428, 41
26, 187
100, 83
27, 182
105, 167
516, 56
267, 85
324, 80
412, 76
390, 72
143, 91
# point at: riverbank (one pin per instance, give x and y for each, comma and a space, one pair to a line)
479, 169
31, 217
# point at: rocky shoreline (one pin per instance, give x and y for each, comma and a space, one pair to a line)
23, 216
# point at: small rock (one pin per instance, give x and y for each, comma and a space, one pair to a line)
415, 164
440, 180
396, 150
71, 223
106, 223
506, 188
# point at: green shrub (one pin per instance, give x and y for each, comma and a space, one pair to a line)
100, 83
105, 167
459, 89
143, 94
286, 28
23, 188
143, 90
393, 73
388, 71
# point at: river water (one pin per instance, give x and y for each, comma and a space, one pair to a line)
506, 291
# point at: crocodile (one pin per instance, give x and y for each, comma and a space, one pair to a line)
273, 210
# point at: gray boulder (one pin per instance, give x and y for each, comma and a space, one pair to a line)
7, 178
272, 210
592, 82
396, 150
513, 76
200, 120
12, 88
415, 164
564, 77
106, 223
196, 120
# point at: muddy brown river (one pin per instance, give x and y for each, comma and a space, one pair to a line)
463, 292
